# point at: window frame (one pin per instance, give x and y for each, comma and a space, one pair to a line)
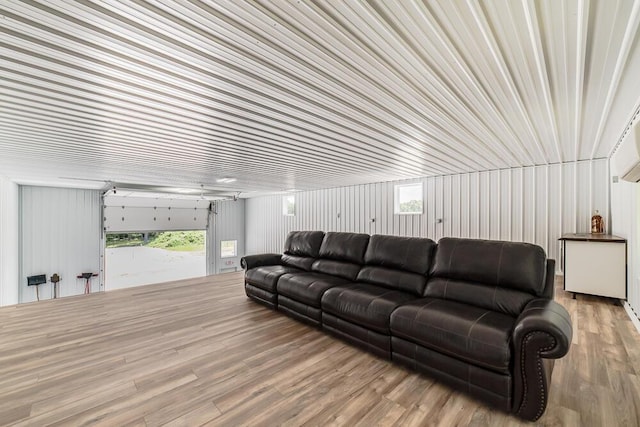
285, 205
235, 249
396, 198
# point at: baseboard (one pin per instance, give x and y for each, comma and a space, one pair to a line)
632, 315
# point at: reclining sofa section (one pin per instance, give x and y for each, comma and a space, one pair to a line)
476, 314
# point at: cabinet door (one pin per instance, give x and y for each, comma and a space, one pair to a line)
596, 268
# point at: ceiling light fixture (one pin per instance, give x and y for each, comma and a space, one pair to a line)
225, 180
185, 190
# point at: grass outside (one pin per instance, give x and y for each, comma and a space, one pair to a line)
180, 241
123, 243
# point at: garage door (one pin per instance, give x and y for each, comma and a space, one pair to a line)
141, 214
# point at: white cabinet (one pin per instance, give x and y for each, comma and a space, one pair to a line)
595, 264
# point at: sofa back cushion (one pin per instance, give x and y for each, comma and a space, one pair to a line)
348, 247
301, 248
341, 254
411, 254
301, 262
500, 276
398, 262
303, 243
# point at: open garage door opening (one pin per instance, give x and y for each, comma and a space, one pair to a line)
153, 239
134, 259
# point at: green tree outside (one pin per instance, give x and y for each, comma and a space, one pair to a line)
411, 206
170, 240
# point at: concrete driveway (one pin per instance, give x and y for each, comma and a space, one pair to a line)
140, 265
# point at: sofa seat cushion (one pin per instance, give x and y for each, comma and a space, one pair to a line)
266, 277
299, 262
364, 304
308, 287
476, 335
394, 279
346, 270
267, 298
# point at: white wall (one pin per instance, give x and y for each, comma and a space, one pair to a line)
532, 204
9, 247
625, 210
59, 233
227, 223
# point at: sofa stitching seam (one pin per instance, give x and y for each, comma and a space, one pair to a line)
539, 372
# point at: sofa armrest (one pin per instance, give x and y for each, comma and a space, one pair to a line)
543, 332
550, 280
252, 261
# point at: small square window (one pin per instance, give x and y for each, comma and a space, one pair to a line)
408, 199
228, 248
289, 205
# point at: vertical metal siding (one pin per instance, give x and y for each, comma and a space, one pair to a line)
633, 254
625, 211
9, 246
227, 223
531, 204
59, 233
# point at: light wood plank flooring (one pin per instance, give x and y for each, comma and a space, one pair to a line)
197, 352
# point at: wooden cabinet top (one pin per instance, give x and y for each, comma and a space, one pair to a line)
591, 237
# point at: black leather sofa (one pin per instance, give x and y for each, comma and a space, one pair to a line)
476, 314
263, 271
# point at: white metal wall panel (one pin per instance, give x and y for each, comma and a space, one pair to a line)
59, 233
583, 210
516, 198
541, 206
569, 182
555, 209
139, 214
633, 256
531, 204
227, 223
464, 198
505, 208
599, 196
9, 247
485, 211
528, 206
625, 218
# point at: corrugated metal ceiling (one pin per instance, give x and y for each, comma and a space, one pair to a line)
309, 94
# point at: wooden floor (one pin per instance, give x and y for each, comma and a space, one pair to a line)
198, 352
